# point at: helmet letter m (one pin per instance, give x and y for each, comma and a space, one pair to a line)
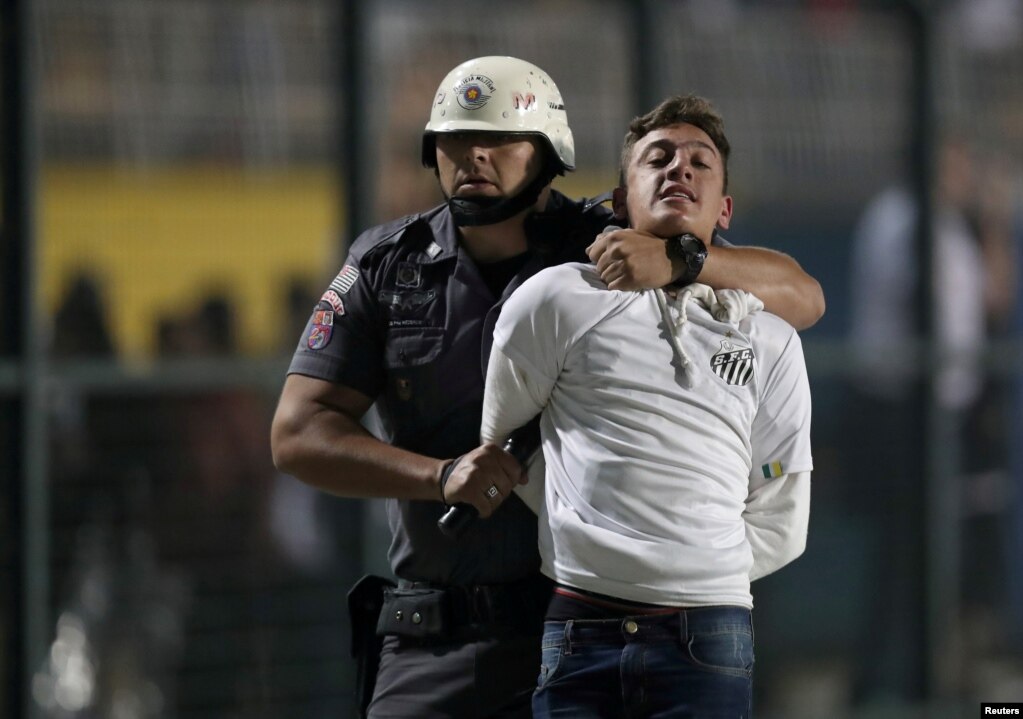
524, 102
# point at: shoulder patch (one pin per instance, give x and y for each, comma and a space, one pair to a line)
333, 299
322, 329
345, 279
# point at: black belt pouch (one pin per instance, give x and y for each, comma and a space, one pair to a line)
415, 613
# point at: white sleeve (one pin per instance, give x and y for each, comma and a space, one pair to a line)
778, 503
780, 435
538, 324
511, 398
526, 357
777, 517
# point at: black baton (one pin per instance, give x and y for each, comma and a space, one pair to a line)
520, 444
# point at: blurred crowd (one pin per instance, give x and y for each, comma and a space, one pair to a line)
904, 462
180, 557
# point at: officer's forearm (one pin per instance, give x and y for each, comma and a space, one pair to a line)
328, 449
777, 279
359, 465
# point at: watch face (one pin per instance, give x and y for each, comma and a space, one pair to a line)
691, 250
692, 247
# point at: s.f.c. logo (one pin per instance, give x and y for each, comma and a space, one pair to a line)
733, 364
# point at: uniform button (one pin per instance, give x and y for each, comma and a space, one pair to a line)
631, 627
398, 615
417, 618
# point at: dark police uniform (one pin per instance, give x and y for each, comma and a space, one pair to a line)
409, 321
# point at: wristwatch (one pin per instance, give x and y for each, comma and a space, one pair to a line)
690, 249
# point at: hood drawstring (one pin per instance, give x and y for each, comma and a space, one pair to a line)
675, 325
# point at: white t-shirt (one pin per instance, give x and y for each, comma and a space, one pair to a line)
650, 465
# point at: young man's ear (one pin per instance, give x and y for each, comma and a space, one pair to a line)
618, 197
726, 213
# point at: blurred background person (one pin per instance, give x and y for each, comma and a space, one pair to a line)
974, 280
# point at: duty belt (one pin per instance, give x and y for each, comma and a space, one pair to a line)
520, 604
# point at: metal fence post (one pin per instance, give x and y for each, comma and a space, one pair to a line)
940, 531
26, 428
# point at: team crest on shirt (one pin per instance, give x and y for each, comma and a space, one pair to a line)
733, 363
321, 330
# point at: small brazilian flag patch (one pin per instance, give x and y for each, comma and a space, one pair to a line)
772, 470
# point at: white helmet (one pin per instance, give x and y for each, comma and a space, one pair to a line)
500, 94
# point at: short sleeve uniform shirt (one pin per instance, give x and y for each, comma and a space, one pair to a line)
408, 322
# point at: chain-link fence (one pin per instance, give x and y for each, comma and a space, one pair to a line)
190, 212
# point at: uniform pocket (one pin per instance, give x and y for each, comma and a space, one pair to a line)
415, 392
412, 346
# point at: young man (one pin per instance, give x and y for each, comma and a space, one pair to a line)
406, 328
676, 434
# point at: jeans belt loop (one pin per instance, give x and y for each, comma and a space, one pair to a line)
567, 636
683, 626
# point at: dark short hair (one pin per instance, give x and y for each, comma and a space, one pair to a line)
690, 109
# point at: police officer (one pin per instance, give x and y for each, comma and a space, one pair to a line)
405, 329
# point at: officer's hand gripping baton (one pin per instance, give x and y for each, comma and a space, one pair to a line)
520, 444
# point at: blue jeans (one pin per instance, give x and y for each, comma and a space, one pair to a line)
695, 663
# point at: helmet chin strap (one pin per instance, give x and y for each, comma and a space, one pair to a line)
475, 211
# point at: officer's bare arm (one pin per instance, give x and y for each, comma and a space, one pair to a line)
631, 260
776, 278
316, 437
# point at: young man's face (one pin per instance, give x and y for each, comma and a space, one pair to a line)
674, 184
487, 164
